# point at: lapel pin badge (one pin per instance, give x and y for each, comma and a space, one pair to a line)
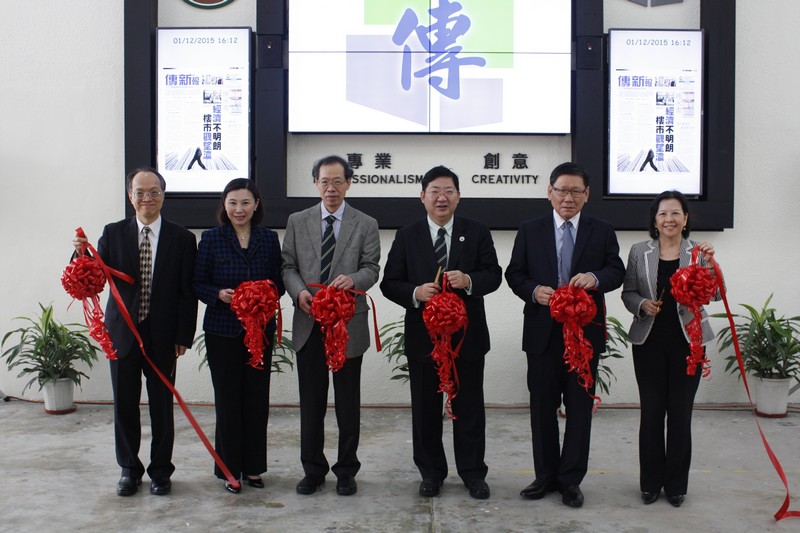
461, 239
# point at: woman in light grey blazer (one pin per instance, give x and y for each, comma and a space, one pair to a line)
660, 347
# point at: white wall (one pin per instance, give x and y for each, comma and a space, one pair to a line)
61, 164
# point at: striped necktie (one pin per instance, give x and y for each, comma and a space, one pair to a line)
146, 273
328, 245
440, 249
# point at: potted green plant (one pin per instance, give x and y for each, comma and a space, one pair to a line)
770, 346
48, 351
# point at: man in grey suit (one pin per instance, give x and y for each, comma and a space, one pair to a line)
335, 244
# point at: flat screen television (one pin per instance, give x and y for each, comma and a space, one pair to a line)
430, 66
655, 111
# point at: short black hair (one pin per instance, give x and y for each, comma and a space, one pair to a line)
668, 195
132, 174
332, 160
235, 185
440, 171
573, 169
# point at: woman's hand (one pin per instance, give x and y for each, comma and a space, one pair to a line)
651, 307
225, 295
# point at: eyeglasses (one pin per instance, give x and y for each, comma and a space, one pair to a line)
562, 193
435, 193
154, 194
337, 183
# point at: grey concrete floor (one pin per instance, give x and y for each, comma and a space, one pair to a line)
59, 474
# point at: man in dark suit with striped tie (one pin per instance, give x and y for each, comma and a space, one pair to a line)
463, 248
335, 244
159, 255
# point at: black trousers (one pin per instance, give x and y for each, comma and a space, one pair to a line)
241, 401
469, 427
126, 381
665, 391
550, 384
313, 381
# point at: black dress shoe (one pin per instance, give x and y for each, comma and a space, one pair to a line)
676, 501
233, 489
478, 489
160, 486
537, 489
429, 488
572, 496
127, 486
309, 484
346, 486
649, 497
256, 483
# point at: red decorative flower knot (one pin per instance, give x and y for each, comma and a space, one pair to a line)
333, 308
574, 308
255, 304
694, 286
444, 315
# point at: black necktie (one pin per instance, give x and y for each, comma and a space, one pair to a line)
145, 272
328, 244
440, 249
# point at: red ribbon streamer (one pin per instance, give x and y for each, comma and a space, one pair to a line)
84, 279
255, 304
693, 286
783, 512
574, 308
444, 315
108, 272
333, 309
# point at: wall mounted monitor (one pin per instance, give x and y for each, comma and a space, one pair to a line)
422, 66
203, 107
655, 111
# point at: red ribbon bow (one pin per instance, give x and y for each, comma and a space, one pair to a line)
693, 286
255, 303
444, 315
84, 278
333, 308
574, 308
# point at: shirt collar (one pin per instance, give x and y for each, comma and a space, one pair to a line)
337, 214
155, 226
560, 221
434, 227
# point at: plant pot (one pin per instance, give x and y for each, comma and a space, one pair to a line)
772, 395
58, 396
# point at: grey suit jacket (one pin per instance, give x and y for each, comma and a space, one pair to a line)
357, 254
640, 285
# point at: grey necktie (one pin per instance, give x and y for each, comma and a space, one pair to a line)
145, 274
328, 245
440, 249
565, 257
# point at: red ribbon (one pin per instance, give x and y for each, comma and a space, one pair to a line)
333, 308
108, 272
444, 315
84, 278
574, 308
255, 304
693, 286
783, 512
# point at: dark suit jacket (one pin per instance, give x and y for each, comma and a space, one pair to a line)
411, 263
173, 306
534, 262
